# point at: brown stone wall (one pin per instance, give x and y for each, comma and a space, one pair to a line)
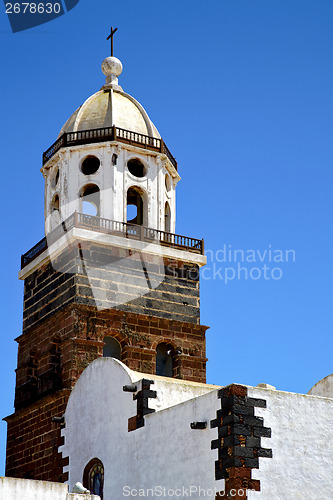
33, 440
110, 277
38, 341
139, 336
80, 331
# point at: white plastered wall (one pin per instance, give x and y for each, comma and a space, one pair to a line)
166, 452
302, 444
113, 182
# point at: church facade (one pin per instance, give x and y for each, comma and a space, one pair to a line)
111, 378
198, 440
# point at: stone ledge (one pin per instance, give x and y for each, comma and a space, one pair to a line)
30, 489
78, 234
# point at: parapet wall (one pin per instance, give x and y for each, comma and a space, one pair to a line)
27, 489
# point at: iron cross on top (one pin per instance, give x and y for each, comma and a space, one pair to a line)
111, 36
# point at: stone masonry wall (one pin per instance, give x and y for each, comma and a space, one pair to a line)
33, 440
78, 332
110, 277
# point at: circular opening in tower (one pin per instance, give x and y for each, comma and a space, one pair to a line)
136, 167
90, 165
55, 178
167, 182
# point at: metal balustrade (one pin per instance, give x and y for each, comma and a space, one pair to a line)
124, 229
108, 134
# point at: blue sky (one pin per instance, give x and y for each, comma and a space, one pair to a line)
241, 91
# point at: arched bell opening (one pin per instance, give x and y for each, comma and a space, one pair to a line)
112, 348
55, 205
167, 218
90, 200
165, 360
136, 206
55, 211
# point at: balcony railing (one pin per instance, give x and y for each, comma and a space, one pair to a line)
108, 134
108, 226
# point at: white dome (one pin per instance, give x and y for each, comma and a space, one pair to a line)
111, 106
106, 108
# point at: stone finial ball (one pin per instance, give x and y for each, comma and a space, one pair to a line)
112, 66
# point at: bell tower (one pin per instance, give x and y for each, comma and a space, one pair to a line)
119, 168
110, 278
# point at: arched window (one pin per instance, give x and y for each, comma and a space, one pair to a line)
93, 477
135, 206
55, 210
90, 199
111, 348
164, 360
167, 218
55, 203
